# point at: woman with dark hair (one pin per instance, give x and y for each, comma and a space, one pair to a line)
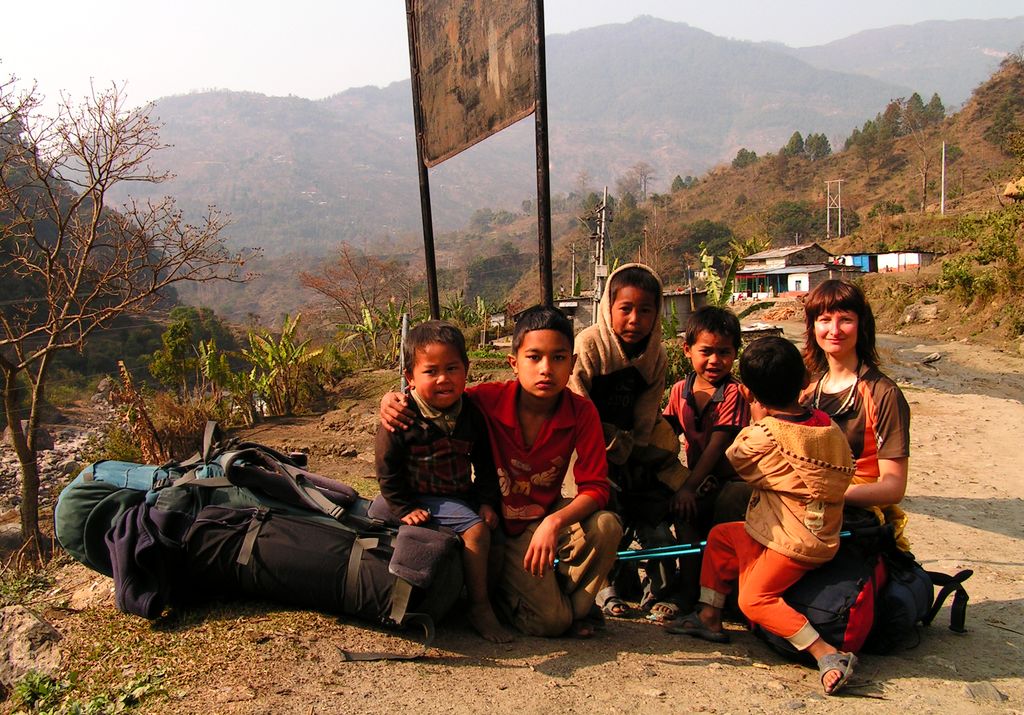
867, 405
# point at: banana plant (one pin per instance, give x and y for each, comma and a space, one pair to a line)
278, 365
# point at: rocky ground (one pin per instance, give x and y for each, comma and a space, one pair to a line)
967, 506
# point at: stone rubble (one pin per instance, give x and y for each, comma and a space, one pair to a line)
58, 465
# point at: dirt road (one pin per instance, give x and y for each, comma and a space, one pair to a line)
966, 500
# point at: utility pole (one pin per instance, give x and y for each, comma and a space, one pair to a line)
834, 201
572, 269
600, 239
942, 201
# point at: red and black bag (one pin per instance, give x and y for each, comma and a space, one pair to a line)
872, 595
839, 597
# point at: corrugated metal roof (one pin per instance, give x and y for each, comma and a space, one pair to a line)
789, 270
781, 252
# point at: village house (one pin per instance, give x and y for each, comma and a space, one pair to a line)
791, 270
892, 262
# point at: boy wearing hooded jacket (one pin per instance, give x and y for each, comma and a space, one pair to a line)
621, 365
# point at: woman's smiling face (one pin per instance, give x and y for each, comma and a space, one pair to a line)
836, 333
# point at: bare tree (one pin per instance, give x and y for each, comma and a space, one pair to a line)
644, 173
916, 122
354, 280
635, 181
72, 263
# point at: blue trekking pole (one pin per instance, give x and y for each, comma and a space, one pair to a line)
667, 552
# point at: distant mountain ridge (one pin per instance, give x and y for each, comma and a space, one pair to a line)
297, 174
950, 57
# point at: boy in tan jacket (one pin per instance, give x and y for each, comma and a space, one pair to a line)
799, 464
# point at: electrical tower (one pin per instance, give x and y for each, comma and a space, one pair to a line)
834, 201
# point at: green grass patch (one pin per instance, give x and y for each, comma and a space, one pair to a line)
22, 585
47, 696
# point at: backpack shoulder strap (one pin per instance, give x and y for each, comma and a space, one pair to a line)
401, 593
955, 585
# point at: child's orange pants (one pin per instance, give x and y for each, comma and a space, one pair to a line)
763, 575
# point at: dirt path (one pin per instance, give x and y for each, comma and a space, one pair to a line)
967, 506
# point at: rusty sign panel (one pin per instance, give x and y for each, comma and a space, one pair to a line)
476, 70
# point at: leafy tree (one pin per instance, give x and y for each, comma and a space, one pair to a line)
176, 364
795, 145
890, 122
481, 220
744, 157
85, 264
916, 124
886, 208
684, 182
935, 111
788, 220
712, 234
816, 146
914, 114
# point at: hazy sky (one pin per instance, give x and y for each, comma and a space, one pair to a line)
315, 49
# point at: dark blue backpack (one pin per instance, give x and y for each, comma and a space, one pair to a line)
908, 599
243, 520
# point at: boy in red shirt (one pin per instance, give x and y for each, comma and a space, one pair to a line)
709, 410
535, 424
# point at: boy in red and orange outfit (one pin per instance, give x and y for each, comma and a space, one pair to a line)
799, 465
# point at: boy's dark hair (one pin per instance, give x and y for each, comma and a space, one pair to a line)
635, 277
717, 321
433, 332
541, 317
830, 296
773, 370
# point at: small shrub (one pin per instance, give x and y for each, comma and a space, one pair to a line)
39, 692
19, 585
679, 365
985, 284
958, 278
179, 423
1014, 321
115, 442
45, 695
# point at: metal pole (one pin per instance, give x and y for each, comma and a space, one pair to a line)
828, 209
839, 200
401, 350
543, 167
572, 270
425, 212
942, 202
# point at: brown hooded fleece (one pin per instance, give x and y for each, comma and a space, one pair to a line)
799, 474
626, 391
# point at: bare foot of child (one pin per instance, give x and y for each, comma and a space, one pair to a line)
582, 628
482, 618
